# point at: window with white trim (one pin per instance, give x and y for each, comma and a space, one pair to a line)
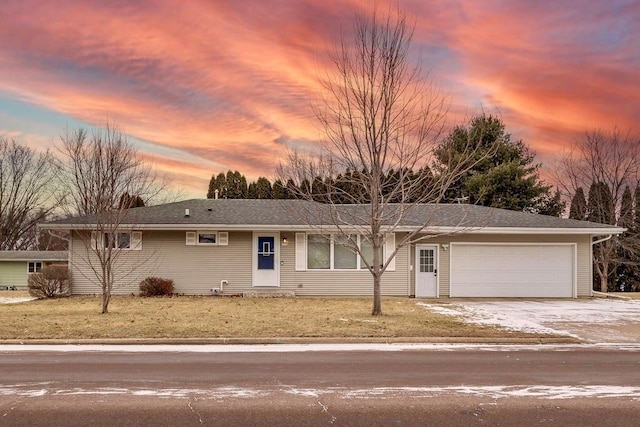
337, 252
319, 251
129, 240
34, 266
207, 238
118, 240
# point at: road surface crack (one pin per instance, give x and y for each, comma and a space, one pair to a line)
325, 409
195, 412
12, 406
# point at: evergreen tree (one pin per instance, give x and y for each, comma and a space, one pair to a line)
263, 189
626, 250
128, 201
236, 185
252, 192
219, 183
504, 174
578, 209
278, 190
600, 206
600, 209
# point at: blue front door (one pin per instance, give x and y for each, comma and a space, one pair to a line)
266, 253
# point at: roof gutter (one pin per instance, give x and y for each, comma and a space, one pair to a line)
355, 228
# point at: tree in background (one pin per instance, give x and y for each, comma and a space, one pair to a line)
236, 185
606, 162
131, 201
379, 114
97, 169
28, 194
507, 179
261, 189
626, 251
218, 182
578, 207
232, 185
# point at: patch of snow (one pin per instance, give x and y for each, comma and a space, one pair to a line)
494, 392
481, 316
594, 319
15, 300
497, 392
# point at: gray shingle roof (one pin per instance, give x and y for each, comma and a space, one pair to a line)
260, 212
34, 255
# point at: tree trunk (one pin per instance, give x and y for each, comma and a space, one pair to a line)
604, 283
377, 305
106, 297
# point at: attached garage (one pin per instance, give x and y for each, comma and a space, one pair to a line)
513, 270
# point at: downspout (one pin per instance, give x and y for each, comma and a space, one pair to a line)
604, 239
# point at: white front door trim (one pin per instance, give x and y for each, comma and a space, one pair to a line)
431, 288
265, 278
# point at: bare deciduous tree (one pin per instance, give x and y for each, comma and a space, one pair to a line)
608, 158
382, 119
98, 169
27, 194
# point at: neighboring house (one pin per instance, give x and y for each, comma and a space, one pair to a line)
16, 266
232, 246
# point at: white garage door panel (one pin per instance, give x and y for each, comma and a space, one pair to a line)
512, 270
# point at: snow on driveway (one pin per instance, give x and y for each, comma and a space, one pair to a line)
596, 320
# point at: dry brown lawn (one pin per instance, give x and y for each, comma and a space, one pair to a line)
632, 295
208, 317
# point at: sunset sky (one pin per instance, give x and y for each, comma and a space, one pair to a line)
203, 86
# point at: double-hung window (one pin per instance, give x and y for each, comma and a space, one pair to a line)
130, 240
117, 240
34, 267
319, 251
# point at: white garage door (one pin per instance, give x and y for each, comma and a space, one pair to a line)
512, 270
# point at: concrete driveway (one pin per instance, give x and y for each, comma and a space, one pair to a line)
593, 320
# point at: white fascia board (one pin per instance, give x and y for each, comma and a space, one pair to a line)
329, 228
514, 230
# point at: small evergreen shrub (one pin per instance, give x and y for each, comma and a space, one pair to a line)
156, 286
51, 282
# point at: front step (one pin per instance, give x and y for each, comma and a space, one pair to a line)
269, 293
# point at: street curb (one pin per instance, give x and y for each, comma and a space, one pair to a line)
291, 340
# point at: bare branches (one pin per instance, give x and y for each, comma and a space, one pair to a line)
382, 121
606, 163
608, 156
98, 171
27, 193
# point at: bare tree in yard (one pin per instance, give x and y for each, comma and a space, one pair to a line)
27, 194
382, 121
606, 162
98, 170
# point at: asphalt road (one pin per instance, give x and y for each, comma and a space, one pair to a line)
464, 386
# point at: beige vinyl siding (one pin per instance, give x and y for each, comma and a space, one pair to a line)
194, 269
583, 247
13, 273
340, 283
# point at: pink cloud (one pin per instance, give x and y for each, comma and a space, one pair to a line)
223, 84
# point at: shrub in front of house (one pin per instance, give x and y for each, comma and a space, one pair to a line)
156, 287
51, 282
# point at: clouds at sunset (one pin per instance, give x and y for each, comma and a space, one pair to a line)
207, 86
